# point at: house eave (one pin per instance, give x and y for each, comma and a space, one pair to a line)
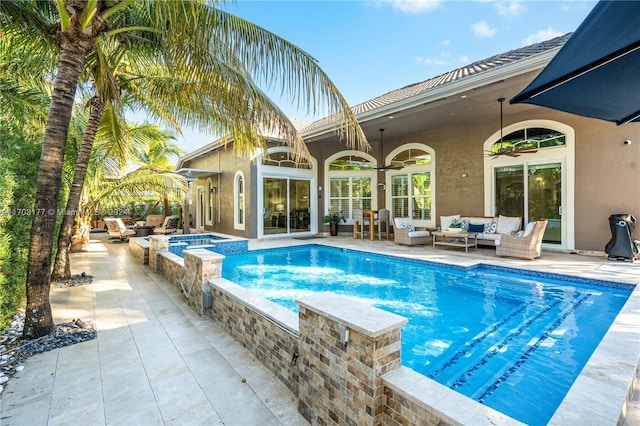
454, 88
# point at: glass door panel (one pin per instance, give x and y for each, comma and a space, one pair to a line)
540, 190
275, 206
509, 185
299, 214
545, 199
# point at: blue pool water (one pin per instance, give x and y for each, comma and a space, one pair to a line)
512, 341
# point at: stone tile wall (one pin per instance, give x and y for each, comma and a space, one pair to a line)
139, 249
263, 330
345, 350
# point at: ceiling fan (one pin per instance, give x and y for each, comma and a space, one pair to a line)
385, 168
510, 150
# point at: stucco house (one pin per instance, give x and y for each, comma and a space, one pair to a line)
439, 147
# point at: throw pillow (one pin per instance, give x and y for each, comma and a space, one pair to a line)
476, 228
406, 226
520, 234
529, 229
490, 228
508, 225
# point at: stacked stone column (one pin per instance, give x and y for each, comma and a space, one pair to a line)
200, 266
345, 350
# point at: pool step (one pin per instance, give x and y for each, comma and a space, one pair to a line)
525, 330
496, 348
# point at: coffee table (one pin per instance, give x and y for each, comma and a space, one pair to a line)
143, 231
455, 239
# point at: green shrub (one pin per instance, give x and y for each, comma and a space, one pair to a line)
19, 159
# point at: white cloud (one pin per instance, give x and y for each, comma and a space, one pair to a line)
510, 9
446, 42
415, 6
542, 35
464, 59
482, 29
438, 61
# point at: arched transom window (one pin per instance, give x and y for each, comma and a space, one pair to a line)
285, 158
529, 139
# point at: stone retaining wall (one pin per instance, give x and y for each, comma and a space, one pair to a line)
268, 330
139, 249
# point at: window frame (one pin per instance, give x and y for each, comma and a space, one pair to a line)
239, 201
350, 175
409, 171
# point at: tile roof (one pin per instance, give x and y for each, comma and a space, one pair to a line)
467, 71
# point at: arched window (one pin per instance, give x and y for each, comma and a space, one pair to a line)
349, 183
239, 201
526, 140
284, 158
411, 181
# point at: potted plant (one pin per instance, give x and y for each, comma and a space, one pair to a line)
456, 225
333, 219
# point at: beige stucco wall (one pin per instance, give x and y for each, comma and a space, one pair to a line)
607, 171
229, 163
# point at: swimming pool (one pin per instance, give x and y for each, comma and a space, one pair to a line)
511, 341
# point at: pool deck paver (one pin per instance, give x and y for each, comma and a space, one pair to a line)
155, 361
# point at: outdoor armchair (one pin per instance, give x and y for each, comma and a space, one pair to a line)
169, 226
405, 233
527, 246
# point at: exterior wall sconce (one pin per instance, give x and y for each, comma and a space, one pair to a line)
464, 175
213, 190
381, 187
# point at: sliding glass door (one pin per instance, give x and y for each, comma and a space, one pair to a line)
286, 204
534, 192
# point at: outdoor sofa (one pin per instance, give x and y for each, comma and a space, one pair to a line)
490, 229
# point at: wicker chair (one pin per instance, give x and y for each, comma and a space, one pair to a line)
383, 217
359, 221
408, 236
523, 247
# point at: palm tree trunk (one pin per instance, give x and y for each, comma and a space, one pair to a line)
38, 319
62, 267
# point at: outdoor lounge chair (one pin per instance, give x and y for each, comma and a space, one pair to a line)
405, 233
169, 226
526, 246
117, 229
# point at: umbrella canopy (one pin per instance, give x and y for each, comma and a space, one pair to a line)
597, 72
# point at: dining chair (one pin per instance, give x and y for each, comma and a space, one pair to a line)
383, 216
358, 223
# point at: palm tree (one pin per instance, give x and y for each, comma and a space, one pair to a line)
152, 175
215, 57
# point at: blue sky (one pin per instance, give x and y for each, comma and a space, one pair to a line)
368, 48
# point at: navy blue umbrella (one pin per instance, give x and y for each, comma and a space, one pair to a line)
597, 72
